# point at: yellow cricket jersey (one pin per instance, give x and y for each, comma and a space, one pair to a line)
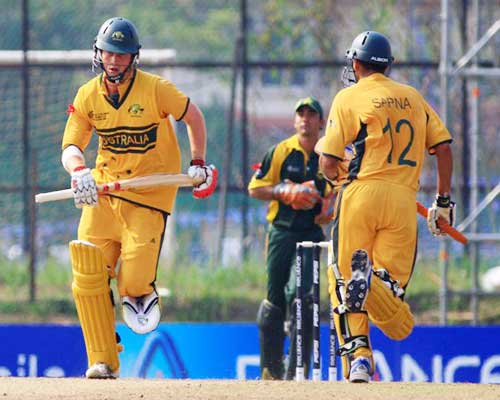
136, 137
389, 124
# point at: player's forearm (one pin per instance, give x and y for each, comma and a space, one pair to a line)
329, 167
197, 140
197, 132
444, 168
262, 193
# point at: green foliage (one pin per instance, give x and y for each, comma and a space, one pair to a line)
46, 311
192, 26
13, 276
213, 294
56, 278
209, 293
297, 29
198, 28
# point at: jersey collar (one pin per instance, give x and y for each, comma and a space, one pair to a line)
294, 143
377, 76
124, 89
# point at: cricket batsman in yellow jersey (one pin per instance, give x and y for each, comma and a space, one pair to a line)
390, 127
128, 109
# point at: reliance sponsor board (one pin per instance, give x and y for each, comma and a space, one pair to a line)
231, 351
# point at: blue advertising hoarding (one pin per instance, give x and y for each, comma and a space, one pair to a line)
231, 351
42, 350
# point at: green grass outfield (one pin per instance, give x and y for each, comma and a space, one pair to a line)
218, 294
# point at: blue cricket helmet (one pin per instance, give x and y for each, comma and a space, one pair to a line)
371, 47
118, 35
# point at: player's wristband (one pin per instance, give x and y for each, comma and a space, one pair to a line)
443, 201
79, 168
197, 161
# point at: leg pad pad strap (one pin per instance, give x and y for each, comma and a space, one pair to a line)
352, 344
91, 293
392, 315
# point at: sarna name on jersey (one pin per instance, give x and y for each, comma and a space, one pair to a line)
396, 102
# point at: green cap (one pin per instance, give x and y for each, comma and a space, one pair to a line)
311, 103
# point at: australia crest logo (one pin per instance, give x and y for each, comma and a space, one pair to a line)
135, 110
118, 36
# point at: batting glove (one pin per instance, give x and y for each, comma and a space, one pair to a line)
443, 208
300, 196
207, 174
84, 187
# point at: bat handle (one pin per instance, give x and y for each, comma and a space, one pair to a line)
443, 225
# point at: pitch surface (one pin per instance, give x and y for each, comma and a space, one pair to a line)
165, 389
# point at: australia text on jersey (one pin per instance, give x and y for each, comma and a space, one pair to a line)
119, 140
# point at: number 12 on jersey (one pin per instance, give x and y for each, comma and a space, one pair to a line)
400, 125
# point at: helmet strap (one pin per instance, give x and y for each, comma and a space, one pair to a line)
116, 79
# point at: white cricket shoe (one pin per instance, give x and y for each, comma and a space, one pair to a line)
360, 370
101, 370
142, 314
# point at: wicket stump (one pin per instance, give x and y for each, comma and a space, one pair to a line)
299, 295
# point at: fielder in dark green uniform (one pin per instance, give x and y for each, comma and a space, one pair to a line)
300, 202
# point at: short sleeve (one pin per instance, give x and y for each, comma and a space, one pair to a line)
78, 130
171, 101
436, 131
337, 130
267, 174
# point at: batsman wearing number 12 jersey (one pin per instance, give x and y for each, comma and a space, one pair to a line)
129, 111
390, 126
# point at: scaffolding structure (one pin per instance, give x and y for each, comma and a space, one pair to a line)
467, 67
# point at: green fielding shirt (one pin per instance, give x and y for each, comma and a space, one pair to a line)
288, 160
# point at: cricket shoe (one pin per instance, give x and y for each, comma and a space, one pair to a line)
142, 314
267, 375
101, 370
357, 287
360, 370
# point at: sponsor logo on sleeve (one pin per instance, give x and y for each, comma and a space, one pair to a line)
98, 116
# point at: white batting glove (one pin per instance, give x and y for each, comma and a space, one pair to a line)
443, 208
84, 187
207, 174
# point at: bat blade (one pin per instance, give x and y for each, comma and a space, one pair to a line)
132, 183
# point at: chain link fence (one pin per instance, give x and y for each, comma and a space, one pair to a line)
293, 49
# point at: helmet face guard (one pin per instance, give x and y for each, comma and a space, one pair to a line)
116, 35
369, 47
348, 76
